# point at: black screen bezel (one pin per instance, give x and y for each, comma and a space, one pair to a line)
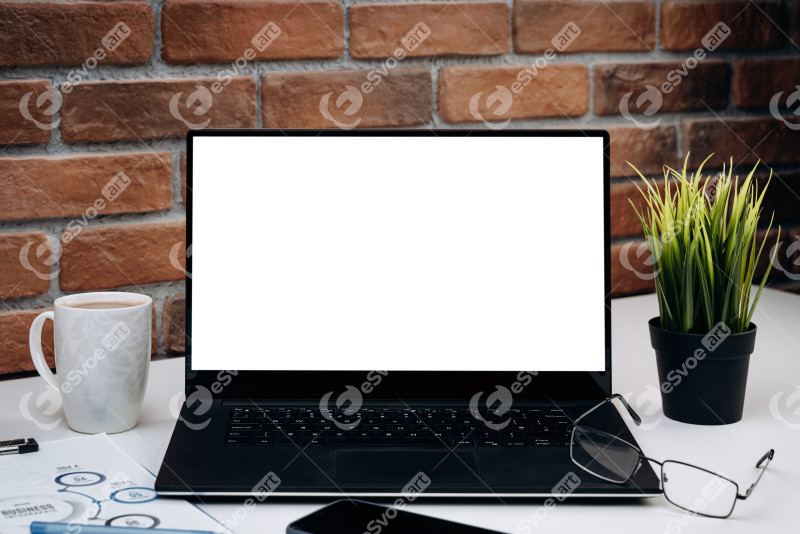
277, 385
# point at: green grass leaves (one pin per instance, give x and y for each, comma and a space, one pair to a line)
701, 233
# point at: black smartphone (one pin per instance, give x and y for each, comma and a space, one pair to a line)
361, 517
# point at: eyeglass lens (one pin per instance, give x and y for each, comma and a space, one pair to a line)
697, 490
603, 454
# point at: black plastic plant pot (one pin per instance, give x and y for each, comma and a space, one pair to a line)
702, 376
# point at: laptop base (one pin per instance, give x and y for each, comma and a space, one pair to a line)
199, 463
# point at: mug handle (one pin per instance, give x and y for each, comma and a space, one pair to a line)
35, 342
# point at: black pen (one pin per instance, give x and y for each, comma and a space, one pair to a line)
18, 446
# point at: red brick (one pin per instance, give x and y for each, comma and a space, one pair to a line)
173, 324
15, 354
648, 150
624, 222
752, 24
108, 256
782, 196
183, 177
745, 140
702, 87
25, 264
402, 97
630, 272
452, 29
25, 120
470, 94
66, 186
604, 26
143, 109
757, 81
192, 30
69, 33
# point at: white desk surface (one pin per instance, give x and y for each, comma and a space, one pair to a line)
771, 420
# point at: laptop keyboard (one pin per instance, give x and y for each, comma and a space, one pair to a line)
527, 427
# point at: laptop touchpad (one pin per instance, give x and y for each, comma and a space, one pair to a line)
396, 468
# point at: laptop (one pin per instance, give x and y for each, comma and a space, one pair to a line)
376, 312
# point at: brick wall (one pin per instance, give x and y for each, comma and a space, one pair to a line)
96, 96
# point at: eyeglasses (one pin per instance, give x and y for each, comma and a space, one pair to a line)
687, 486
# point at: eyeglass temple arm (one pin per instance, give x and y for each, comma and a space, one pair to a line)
761, 464
634, 415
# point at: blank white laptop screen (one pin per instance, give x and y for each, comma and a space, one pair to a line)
426, 253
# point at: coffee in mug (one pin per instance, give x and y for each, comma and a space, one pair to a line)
102, 350
103, 305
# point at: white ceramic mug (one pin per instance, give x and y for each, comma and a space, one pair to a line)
102, 359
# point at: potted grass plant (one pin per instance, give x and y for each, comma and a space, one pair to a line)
701, 235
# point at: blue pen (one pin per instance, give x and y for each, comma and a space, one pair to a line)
40, 527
